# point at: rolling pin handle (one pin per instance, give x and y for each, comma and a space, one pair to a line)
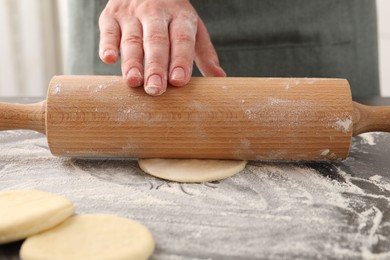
23, 116
370, 119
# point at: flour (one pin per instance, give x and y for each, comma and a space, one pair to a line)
344, 124
284, 112
277, 101
270, 210
368, 138
324, 152
375, 178
56, 90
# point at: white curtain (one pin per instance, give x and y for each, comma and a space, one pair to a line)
30, 49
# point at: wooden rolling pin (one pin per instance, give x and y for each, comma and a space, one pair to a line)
225, 118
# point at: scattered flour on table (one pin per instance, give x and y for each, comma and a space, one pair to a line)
368, 138
375, 178
270, 210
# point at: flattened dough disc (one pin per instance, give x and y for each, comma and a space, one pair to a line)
191, 170
94, 237
27, 212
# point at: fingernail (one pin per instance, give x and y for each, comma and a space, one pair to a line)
133, 72
178, 74
223, 72
109, 53
154, 85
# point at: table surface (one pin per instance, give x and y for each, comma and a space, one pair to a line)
305, 210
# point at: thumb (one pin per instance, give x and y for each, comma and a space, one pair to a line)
206, 58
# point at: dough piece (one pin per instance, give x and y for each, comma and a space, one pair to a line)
91, 237
27, 212
191, 170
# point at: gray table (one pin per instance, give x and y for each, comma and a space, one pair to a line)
307, 210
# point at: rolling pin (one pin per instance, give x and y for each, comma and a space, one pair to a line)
215, 118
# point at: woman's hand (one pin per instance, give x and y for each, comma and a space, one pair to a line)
167, 36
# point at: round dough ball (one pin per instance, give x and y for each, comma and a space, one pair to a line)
191, 170
27, 212
91, 237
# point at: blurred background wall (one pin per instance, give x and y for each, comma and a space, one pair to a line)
29, 46
33, 37
383, 7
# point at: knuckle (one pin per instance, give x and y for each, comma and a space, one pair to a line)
109, 33
152, 7
188, 16
184, 61
132, 39
154, 66
112, 9
158, 38
106, 14
131, 62
183, 38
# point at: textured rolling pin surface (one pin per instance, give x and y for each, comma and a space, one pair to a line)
235, 118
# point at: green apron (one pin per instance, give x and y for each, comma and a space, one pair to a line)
264, 38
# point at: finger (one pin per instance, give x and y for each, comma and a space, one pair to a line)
156, 48
132, 51
182, 33
110, 36
206, 57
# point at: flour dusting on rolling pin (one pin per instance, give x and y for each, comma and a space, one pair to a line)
213, 118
